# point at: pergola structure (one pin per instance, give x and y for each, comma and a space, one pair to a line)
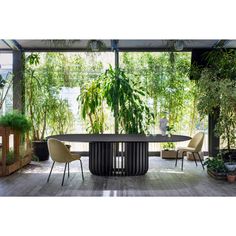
197, 47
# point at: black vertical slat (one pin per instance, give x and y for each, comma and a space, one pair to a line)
122, 159
97, 157
111, 157
90, 158
117, 159
147, 157
105, 146
114, 158
138, 157
135, 158
144, 157
93, 156
103, 158
132, 156
126, 160
141, 158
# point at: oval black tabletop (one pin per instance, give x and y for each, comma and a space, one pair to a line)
119, 138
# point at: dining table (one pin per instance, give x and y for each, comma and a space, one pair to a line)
119, 154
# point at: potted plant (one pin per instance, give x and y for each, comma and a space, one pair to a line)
36, 106
216, 167
168, 151
48, 113
231, 176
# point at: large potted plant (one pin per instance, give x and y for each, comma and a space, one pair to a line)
48, 113
36, 106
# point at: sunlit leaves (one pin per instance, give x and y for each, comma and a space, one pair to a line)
121, 94
217, 90
44, 79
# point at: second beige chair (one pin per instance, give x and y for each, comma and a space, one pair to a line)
60, 153
194, 146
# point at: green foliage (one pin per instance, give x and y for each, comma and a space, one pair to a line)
168, 146
216, 164
91, 99
44, 80
165, 79
217, 90
124, 97
16, 121
61, 120
10, 158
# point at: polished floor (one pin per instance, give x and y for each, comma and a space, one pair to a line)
162, 179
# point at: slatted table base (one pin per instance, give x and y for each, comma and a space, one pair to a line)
118, 159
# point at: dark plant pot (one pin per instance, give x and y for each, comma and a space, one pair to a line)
40, 149
215, 175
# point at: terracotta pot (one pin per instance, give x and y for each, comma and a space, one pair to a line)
231, 178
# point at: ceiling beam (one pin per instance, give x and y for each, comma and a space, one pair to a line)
17, 44
220, 43
13, 44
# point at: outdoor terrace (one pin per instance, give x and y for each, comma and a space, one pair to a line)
162, 179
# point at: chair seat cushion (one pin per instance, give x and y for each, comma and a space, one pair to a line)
186, 149
75, 156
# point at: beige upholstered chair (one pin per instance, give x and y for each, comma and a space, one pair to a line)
194, 146
60, 153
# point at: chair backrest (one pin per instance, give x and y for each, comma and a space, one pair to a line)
58, 151
197, 141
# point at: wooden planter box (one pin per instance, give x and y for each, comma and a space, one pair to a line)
169, 154
9, 169
5, 169
190, 156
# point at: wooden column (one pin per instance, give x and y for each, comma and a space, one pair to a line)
18, 83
